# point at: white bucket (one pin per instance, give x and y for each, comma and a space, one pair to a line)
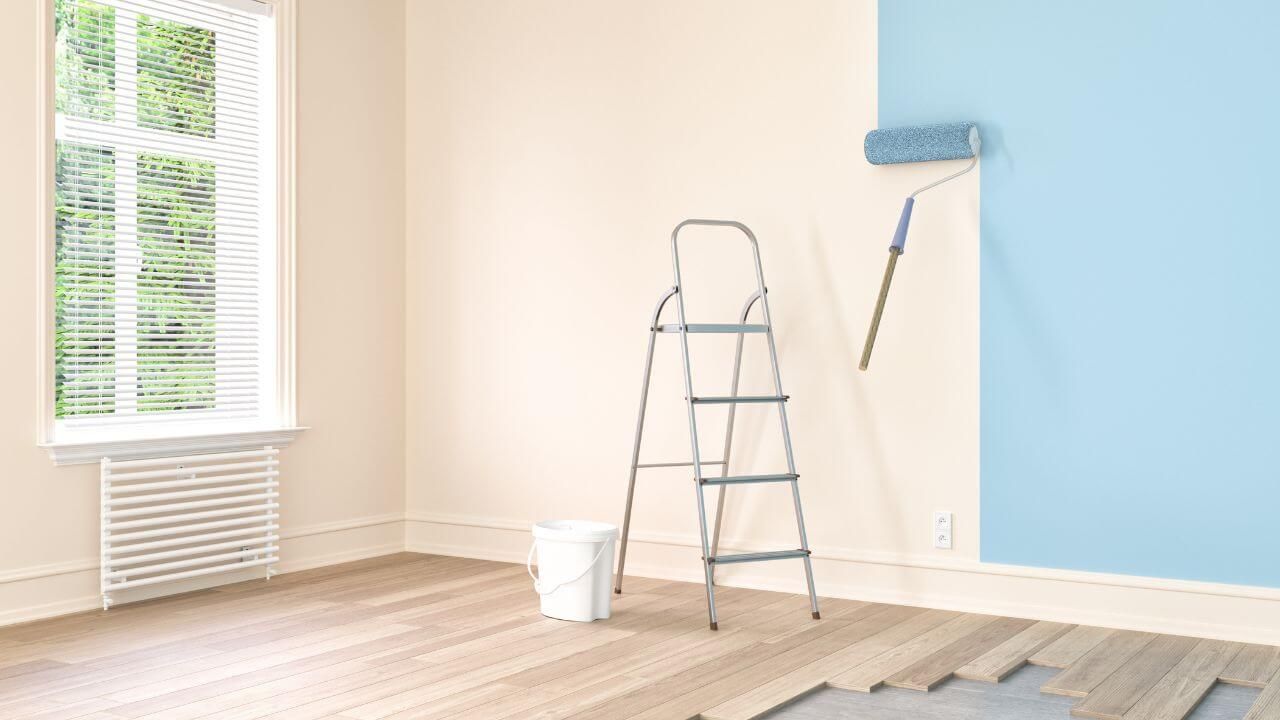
575, 562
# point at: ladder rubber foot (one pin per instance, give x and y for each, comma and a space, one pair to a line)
817, 615
714, 626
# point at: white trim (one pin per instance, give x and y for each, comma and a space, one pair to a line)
290, 561
37, 572
343, 525
93, 602
339, 557
50, 609
63, 453
44, 178
286, 26
1217, 610
908, 561
78, 453
255, 7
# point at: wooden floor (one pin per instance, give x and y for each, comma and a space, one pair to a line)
421, 636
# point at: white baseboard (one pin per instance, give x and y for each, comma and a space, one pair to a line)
1227, 612
14, 616
45, 591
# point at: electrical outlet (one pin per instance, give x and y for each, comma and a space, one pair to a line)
942, 530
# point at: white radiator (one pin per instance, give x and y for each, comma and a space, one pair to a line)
166, 519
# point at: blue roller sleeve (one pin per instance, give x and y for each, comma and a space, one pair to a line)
900, 235
950, 141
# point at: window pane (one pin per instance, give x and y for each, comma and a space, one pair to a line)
175, 77
162, 237
85, 59
176, 284
84, 284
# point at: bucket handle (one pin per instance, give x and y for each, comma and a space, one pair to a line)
528, 565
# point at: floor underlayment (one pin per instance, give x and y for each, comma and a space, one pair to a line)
1017, 697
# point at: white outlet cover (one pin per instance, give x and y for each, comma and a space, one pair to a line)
942, 530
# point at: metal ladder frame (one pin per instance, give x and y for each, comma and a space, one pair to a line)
710, 556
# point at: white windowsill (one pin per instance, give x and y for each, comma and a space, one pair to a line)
91, 451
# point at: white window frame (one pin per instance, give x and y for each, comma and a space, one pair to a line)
163, 439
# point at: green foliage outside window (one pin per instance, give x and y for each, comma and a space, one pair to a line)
176, 290
84, 277
175, 77
85, 59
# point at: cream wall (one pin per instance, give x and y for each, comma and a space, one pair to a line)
342, 481
553, 147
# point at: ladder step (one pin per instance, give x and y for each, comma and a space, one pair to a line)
714, 328
727, 399
759, 557
641, 466
749, 479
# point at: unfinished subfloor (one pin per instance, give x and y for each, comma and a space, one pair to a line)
422, 636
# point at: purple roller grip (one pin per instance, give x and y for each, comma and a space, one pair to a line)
900, 235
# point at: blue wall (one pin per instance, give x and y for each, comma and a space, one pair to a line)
1130, 272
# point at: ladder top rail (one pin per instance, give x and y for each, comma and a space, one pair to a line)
755, 256
675, 234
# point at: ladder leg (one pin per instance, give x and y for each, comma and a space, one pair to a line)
804, 545
706, 557
786, 440
693, 441
635, 456
715, 533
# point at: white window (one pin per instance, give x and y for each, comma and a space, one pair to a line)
168, 285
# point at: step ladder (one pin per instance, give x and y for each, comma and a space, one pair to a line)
710, 547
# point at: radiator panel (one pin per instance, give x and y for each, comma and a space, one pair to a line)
168, 519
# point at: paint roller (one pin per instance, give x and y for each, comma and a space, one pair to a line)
951, 141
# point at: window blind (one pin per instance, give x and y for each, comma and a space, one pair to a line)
164, 213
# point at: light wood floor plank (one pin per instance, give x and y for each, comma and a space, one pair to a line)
933, 669
1000, 661
253, 660
449, 706
640, 701
602, 680
1097, 665
317, 669
1064, 651
1113, 697
73, 711
285, 702
562, 705
32, 666
1253, 667
872, 673
676, 621
160, 678
1267, 706
1182, 689
869, 622
433, 682
757, 702
455, 674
